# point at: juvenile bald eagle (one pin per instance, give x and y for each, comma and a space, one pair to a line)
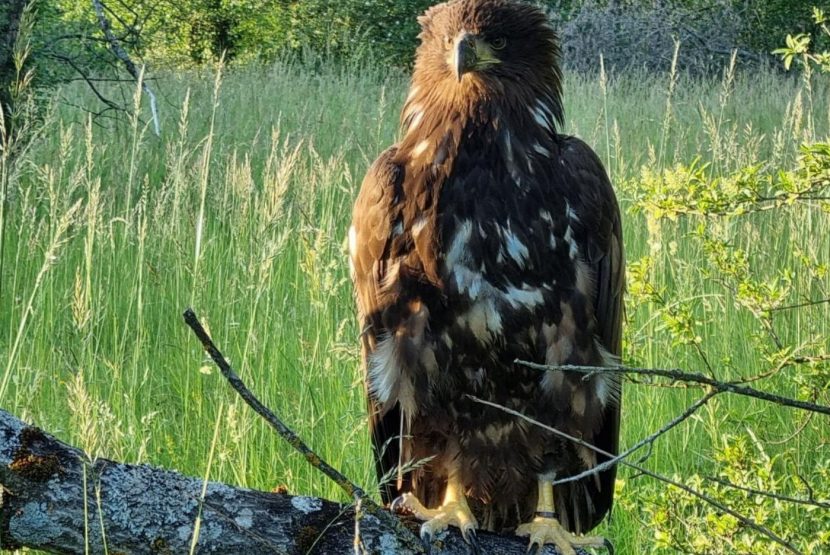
482, 237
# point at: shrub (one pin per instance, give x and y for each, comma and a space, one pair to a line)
644, 36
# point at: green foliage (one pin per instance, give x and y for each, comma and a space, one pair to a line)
799, 47
681, 524
732, 221
195, 32
199, 31
768, 21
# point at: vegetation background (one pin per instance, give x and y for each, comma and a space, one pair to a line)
272, 111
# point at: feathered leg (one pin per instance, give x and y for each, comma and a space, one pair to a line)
545, 528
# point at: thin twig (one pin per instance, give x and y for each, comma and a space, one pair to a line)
90, 82
679, 375
714, 502
646, 441
805, 304
771, 495
284, 431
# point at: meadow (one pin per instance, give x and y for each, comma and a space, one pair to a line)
240, 210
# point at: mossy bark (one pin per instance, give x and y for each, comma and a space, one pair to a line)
57, 500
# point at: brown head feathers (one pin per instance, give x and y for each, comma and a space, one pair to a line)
516, 49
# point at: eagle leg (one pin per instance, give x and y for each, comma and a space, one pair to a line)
546, 529
454, 510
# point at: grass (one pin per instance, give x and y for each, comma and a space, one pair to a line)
240, 210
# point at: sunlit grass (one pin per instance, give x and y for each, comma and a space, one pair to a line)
240, 210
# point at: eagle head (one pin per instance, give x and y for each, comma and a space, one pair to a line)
488, 47
486, 77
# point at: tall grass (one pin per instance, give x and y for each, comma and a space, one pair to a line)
240, 211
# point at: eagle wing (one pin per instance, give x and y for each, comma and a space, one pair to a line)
603, 250
370, 242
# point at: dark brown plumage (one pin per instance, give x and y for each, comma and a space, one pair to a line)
482, 237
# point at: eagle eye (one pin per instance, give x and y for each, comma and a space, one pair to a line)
498, 43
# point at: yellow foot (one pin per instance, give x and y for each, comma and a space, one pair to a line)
455, 512
548, 531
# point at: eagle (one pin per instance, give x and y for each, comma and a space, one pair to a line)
482, 238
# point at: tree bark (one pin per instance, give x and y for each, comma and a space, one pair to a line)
55, 499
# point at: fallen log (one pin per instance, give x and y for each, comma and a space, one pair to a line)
55, 499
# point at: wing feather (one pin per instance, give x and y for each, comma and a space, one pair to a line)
373, 220
591, 499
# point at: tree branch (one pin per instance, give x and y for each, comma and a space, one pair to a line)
645, 441
50, 489
273, 420
679, 375
122, 55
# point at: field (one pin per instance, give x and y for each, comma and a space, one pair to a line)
241, 212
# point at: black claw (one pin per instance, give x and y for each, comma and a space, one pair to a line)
472, 539
426, 539
608, 546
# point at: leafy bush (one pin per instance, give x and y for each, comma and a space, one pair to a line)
761, 497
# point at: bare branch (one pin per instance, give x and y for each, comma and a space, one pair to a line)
681, 376
122, 55
90, 83
805, 304
284, 431
809, 502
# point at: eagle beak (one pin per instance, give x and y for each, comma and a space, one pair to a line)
465, 54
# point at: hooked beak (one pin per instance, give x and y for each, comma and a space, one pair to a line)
465, 54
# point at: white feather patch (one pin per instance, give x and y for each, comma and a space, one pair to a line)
419, 225
515, 248
416, 115
525, 296
457, 253
571, 213
541, 118
469, 282
412, 92
608, 384
392, 274
384, 370
483, 319
573, 248
541, 150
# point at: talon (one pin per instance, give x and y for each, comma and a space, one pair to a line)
454, 511
426, 539
543, 531
471, 537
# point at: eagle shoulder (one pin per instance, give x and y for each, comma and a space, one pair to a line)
373, 219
